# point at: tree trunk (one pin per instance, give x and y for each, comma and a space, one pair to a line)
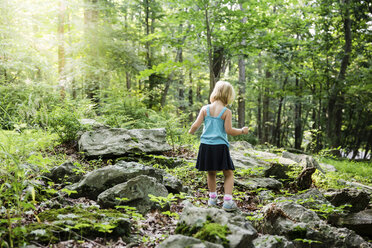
336, 99
212, 80
278, 120
128, 80
191, 101
297, 120
265, 109
241, 82
259, 106
61, 47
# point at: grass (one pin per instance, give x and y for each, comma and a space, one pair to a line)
348, 170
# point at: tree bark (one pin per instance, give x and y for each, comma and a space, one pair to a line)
128, 80
336, 99
298, 122
191, 101
278, 120
212, 80
265, 109
61, 47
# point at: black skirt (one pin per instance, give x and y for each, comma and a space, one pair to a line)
214, 158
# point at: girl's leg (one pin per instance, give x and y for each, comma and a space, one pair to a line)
211, 180
229, 181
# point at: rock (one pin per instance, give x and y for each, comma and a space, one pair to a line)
75, 222
359, 199
181, 241
278, 171
297, 223
172, 184
136, 191
312, 198
245, 162
240, 145
67, 172
102, 179
270, 157
360, 222
91, 123
242, 232
272, 241
309, 161
118, 142
253, 183
328, 167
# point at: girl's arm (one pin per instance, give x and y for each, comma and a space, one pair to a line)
228, 125
198, 122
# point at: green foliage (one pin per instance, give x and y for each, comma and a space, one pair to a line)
64, 122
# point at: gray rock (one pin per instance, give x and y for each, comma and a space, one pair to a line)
243, 161
272, 241
359, 199
118, 142
312, 198
328, 167
360, 222
181, 241
136, 191
102, 179
65, 172
278, 171
172, 184
308, 161
296, 222
240, 145
91, 123
253, 183
242, 232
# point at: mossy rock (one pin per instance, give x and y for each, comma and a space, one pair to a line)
75, 223
209, 231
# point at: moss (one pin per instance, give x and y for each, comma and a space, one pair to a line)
210, 231
74, 222
214, 232
297, 233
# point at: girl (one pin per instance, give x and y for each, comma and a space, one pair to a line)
214, 152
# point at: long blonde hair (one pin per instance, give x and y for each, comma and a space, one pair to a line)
224, 92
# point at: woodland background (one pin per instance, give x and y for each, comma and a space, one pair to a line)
301, 69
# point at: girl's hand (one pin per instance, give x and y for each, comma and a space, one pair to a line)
245, 130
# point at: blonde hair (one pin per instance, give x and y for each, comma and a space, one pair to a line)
224, 92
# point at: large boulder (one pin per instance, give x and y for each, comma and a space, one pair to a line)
298, 224
360, 222
241, 233
118, 141
66, 172
253, 183
104, 178
181, 241
136, 193
358, 199
272, 241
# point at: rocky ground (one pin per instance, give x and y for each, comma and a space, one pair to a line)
136, 193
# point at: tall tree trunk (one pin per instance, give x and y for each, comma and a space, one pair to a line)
90, 22
265, 109
278, 120
128, 80
61, 47
259, 105
336, 98
212, 80
241, 93
241, 82
297, 114
191, 101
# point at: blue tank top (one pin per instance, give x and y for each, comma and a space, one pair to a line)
214, 130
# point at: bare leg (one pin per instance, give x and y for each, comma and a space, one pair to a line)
211, 179
229, 181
